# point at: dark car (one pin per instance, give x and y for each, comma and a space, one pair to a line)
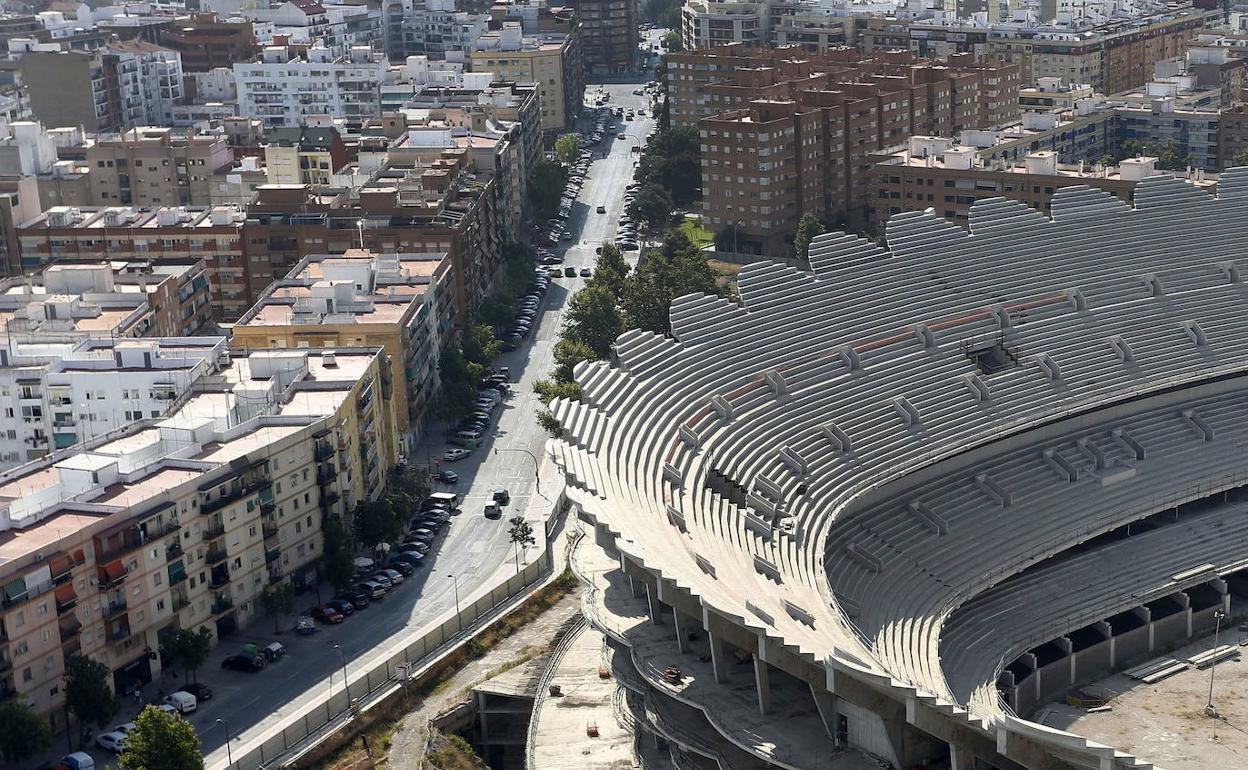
570, 272
411, 558
326, 614
200, 690
343, 606
502, 497
402, 567
423, 536
358, 599
250, 663
448, 477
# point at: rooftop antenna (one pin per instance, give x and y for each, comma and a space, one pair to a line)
359, 224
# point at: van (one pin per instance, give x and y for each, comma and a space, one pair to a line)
466, 438
372, 588
183, 701
446, 500
79, 760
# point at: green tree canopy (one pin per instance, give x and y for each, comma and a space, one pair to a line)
567, 148
278, 599
676, 269
376, 521
186, 648
568, 353
479, 345
23, 733
672, 38
545, 188
336, 558
611, 270
87, 694
808, 227
593, 319
1241, 158
162, 741
672, 160
548, 390
651, 206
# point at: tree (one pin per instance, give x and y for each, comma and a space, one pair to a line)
593, 319
549, 390
479, 345
186, 648
567, 148
549, 424
808, 227
376, 522
521, 535
673, 161
652, 205
545, 188
1241, 158
610, 270
1171, 156
278, 599
336, 558
495, 312
162, 741
676, 269
673, 40
23, 733
568, 353
407, 487
87, 694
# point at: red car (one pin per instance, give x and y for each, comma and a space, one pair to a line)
326, 614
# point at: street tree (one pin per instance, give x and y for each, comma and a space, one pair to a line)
336, 557
567, 148
808, 227
521, 535
23, 733
1171, 156
610, 270
673, 40
479, 345
376, 522
568, 353
186, 648
651, 206
673, 161
1241, 158
162, 741
675, 269
549, 423
593, 319
548, 390
87, 694
545, 188
278, 599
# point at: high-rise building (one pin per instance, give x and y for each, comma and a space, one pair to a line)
608, 34
206, 43
288, 85
552, 60
150, 166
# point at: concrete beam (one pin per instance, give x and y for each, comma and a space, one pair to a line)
719, 657
654, 605
762, 683
682, 626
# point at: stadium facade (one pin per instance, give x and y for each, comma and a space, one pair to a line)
876, 513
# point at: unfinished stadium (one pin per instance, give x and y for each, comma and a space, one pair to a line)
878, 512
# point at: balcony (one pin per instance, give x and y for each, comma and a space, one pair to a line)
115, 608
326, 474
222, 604
214, 530
215, 555
272, 554
65, 605
110, 576
329, 498
6, 665
233, 495
323, 451
117, 633
173, 550
220, 578
70, 627
269, 531
180, 602
118, 544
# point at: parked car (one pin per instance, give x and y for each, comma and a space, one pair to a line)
395, 576
448, 477
408, 557
569, 272
344, 607
492, 511
451, 455
423, 535
417, 546
305, 625
383, 579
358, 599
374, 589
586, 272
502, 496
114, 742
200, 690
249, 663
273, 652
326, 613
402, 567
602, 209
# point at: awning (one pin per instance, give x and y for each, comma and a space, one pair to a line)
65, 593
112, 571
14, 590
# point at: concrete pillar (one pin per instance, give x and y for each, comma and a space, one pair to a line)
637, 586
719, 657
1104, 627
484, 722
762, 683
681, 625
825, 704
960, 758
656, 607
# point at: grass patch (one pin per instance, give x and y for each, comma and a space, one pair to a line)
696, 233
451, 752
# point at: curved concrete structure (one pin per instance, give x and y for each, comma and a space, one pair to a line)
857, 503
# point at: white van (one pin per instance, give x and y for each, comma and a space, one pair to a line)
183, 701
467, 438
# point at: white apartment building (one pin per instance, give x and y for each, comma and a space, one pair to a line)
150, 81
286, 87
433, 28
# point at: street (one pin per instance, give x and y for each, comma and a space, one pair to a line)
473, 547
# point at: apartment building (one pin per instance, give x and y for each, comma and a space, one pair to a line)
782, 138
180, 522
443, 207
206, 43
304, 155
934, 173
114, 88
148, 236
1051, 94
551, 60
433, 28
608, 34
151, 166
711, 23
19, 201
403, 303
289, 85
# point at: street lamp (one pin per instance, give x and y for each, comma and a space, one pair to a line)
345, 684
229, 754
458, 618
537, 479
1213, 665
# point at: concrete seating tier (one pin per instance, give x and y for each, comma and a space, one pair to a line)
1004, 622
738, 460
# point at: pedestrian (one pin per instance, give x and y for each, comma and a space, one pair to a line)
138, 695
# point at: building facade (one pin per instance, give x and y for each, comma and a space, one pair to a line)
288, 85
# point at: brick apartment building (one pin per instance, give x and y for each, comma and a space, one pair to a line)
207, 43
153, 166
785, 133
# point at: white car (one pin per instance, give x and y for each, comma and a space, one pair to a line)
452, 455
114, 742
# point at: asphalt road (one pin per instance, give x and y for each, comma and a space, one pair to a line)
472, 548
